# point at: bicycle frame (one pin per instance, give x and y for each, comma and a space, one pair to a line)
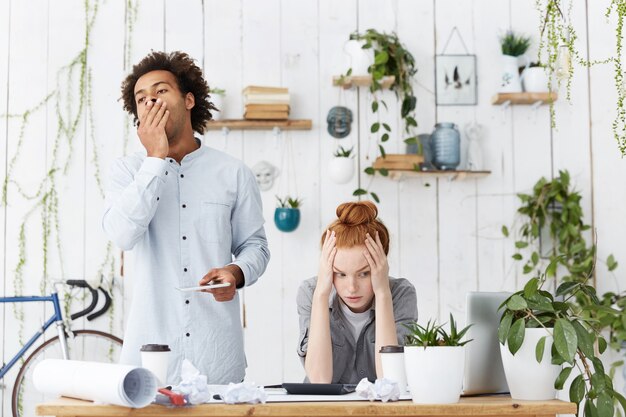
57, 318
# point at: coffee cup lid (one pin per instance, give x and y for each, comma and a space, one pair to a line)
392, 349
155, 348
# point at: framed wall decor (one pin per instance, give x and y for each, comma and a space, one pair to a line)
455, 80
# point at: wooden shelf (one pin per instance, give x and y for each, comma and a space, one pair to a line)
242, 124
400, 175
524, 98
361, 81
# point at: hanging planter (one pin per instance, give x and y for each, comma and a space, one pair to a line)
287, 214
341, 167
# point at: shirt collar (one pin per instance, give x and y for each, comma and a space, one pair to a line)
192, 155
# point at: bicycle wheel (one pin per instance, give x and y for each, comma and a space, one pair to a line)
85, 345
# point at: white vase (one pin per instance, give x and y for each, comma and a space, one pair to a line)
435, 374
535, 80
527, 378
359, 59
341, 169
510, 80
218, 101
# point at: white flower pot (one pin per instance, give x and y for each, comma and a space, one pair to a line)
527, 378
535, 80
218, 101
509, 80
435, 374
359, 59
341, 170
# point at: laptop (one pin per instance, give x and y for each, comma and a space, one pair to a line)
484, 373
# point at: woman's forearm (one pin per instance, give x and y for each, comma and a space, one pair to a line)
385, 328
318, 363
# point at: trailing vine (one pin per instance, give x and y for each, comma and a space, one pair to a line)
73, 81
391, 58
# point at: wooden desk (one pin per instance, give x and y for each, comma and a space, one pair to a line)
472, 406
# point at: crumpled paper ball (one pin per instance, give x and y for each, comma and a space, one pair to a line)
193, 384
244, 392
383, 389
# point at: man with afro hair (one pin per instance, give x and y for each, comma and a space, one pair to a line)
191, 215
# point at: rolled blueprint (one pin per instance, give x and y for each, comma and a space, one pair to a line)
125, 385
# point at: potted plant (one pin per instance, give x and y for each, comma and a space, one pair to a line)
217, 98
287, 214
565, 345
341, 167
535, 78
434, 361
513, 46
391, 58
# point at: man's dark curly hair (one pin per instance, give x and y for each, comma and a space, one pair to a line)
188, 76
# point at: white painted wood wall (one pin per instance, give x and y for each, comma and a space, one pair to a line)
445, 235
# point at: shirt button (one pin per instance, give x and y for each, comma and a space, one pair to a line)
185, 269
184, 205
157, 198
165, 172
182, 175
361, 372
184, 237
187, 334
186, 301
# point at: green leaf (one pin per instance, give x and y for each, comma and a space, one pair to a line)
386, 126
516, 302
381, 57
565, 288
520, 244
349, 73
531, 287
505, 231
382, 151
375, 197
602, 345
384, 172
505, 325
517, 257
590, 409
565, 339
611, 263
620, 398
369, 171
375, 127
384, 137
563, 375
585, 340
577, 389
541, 345
551, 269
516, 336
359, 191
374, 106
605, 405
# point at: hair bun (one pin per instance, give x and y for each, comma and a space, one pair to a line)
356, 213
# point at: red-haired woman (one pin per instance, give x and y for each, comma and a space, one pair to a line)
352, 307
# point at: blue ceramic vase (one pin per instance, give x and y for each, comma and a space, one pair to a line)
287, 219
446, 146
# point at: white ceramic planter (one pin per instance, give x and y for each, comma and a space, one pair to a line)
218, 101
435, 374
341, 170
527, 378
359, 59
535, 80
509, 80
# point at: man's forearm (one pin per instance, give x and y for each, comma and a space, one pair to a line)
238, 274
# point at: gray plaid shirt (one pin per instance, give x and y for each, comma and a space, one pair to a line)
354, 360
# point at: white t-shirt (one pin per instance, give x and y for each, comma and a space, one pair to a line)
357, 320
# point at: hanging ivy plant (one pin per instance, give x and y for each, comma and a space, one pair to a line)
391, 58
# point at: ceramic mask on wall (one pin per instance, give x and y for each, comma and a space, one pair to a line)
265, 174
339, 120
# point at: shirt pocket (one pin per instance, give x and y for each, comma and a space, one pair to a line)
214, 222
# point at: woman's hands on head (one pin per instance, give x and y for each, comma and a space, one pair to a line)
325, 272
379, 267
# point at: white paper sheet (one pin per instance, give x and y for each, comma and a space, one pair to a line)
125, 385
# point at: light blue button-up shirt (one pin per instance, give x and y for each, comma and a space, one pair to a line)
181, 221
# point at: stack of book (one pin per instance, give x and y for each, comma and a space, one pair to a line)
265, 103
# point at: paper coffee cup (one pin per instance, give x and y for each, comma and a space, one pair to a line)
392, 360
155, 358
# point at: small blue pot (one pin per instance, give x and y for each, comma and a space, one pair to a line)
287, 219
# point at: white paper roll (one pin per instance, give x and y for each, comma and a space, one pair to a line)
125, 385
